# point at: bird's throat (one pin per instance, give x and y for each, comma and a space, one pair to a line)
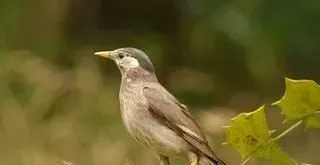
138, 74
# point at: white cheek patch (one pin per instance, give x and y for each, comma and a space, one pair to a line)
129, 63
132, 62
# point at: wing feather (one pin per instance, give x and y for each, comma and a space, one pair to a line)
176, 116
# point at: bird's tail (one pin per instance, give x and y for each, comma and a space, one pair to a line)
204, 160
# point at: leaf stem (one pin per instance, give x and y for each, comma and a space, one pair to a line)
287, 130
247, 160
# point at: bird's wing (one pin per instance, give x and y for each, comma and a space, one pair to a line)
176, 116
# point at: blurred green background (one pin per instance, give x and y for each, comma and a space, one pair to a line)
59, 102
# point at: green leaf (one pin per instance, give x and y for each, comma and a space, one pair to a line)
250, 135
301, 101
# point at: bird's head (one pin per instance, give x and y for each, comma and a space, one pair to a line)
128, 59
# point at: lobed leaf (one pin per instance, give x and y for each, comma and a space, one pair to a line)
250, 135
301, 101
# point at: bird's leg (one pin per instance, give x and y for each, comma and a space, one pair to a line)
194, 162
164, 160
193, 159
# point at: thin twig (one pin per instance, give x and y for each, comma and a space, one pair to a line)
288, 130
247, 160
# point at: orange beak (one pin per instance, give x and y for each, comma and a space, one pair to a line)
104, 54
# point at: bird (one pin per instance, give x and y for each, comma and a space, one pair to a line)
153, 116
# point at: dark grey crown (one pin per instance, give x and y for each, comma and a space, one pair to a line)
142, 58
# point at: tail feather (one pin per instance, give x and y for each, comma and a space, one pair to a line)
204, 160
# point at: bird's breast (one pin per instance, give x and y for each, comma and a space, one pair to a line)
133, 107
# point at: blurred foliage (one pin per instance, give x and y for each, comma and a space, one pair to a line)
59, 102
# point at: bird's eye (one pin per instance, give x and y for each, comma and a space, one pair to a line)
121, 55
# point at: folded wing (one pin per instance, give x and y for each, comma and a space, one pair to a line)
176, 116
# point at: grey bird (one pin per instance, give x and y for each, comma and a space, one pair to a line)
153, 116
